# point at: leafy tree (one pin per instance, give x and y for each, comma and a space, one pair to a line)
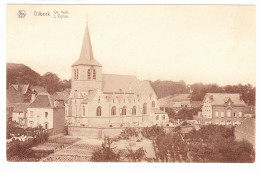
51, 81
152, 132
106, 153
171, 148
215, 143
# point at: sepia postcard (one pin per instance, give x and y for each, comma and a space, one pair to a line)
130, 83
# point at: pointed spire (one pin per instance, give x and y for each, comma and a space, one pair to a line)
86, 55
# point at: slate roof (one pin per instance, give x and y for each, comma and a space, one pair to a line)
14, 96
169, 101
45, 100
120, 84
63, 95
20, 107
86, 56
21, 88
222, 98
39, 89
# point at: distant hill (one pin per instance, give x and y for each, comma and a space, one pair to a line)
165, 88
20, 73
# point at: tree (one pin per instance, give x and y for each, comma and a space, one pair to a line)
106, 153
215, 143
171, 148
51, 81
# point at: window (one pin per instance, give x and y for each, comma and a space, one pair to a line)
31, 113
163, 117
45, 125
75, 94
46, 114
134, 110
144, 108
157, 117
94, 74
84, 112
229, 113
113, 110
234, 114
124, 110
77, 74
240, 114
99, 111
31, 123
89, 74
216, 113
99, 100
153, 104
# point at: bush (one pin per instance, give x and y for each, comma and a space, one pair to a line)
152, 132
106, 153
128, 132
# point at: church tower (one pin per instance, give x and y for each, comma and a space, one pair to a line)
86, 71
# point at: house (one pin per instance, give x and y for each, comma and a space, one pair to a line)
19, 114
222, 109
105, 100
246, 131
178, 102
159, 117
48, 111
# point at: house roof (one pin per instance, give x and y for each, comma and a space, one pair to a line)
169, 101
86, 56
22, 88
14, 96
146, 88
222, 98
39, 89
20, 107
45, 100
247, 127
63, 95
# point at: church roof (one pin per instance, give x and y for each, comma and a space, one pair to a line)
120, 84
86, 55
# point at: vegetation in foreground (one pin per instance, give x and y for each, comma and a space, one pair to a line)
212, 143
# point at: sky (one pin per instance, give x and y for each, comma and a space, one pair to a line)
194, 43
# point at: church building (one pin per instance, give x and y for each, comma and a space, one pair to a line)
109, 100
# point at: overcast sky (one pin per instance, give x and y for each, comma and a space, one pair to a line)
209, 44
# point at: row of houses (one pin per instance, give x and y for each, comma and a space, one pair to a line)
32, 106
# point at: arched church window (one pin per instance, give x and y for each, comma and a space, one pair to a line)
124, 110
77, 73
145, 108
89, 74
113, 110
153, 104
99, 111
134, 110
94, 74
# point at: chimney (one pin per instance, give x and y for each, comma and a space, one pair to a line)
33, 97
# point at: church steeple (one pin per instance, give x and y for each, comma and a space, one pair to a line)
86, 55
